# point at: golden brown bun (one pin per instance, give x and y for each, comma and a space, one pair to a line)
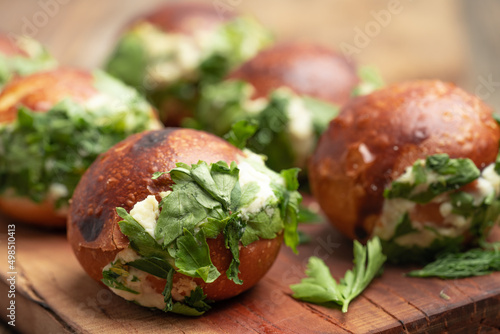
307, 69
121, 177
42, 90
186, 17
9, 47
377, 136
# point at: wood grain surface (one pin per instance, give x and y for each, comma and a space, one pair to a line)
54, 295
427, 39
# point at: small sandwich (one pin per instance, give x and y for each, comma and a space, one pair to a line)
175, 219
52, 126
291, 91
180, 45
414, 164
20, 56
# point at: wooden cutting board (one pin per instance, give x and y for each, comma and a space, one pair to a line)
54, 295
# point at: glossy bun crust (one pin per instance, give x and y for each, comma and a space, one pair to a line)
377, 136
306, 69
42, 90
122, 177
39, 92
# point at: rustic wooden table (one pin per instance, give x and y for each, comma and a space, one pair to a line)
54, 295
426, 39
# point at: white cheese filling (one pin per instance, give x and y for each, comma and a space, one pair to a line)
175, 56
136, 280
301, 130
453, 225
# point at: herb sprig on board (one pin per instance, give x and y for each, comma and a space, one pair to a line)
320, 287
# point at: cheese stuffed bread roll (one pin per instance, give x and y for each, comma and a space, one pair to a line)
169, 52
176, 218
415, 164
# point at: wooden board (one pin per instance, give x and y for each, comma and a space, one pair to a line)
427, 39
54, 295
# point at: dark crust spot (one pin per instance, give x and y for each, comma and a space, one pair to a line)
150, 139
90, 227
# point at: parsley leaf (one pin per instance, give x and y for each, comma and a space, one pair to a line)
140, 240
152, 265
240, 132
475, 262
194, 305
370, 81
234, 232
290, 207
167, 291
192, 257
114, 275
320, 287
322, 113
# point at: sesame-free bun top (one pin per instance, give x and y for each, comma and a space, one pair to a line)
307, 69
186, 17
41, 91
121, 177
375, 137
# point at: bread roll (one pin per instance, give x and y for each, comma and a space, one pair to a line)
380, 142
122, 177
169, 52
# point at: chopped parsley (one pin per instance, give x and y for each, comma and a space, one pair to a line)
474, 262
208, 200
42, 149
422, 183
137, 61
448, 174
230, 102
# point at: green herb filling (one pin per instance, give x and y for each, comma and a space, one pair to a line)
44, 154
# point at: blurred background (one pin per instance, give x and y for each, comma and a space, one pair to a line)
454, 40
